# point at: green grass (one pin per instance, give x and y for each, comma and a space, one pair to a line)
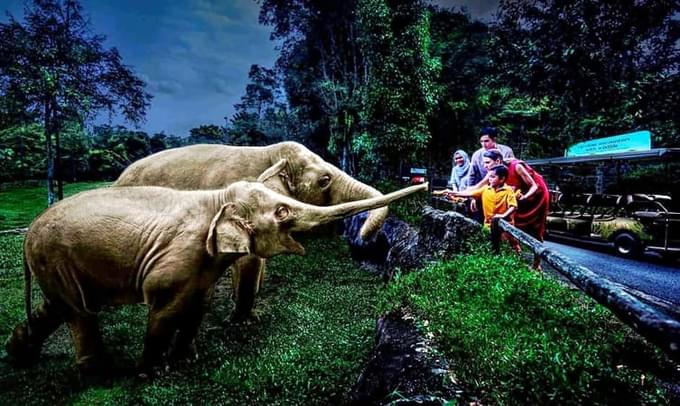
511, 336
19, 205
519, 338
315, 328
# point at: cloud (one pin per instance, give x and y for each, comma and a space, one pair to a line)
164, 87
197, 66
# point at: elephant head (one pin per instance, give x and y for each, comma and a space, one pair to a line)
257, 220
308, 178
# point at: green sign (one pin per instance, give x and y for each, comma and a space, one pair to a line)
637, 141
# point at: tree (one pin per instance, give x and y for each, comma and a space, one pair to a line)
605, 66
401, 89
61, 72
114, 148
21, 154
261, 117
206, 134
322, 70
161, 141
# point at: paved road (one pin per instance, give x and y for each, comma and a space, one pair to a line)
650, 275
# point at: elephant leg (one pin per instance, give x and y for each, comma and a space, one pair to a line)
24, 348
263, 267
168, 309
162, 326
183, 346
247, 273
88, 344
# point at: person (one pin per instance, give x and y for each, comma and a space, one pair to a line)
498, 200
533, 196
460, 171
487, 137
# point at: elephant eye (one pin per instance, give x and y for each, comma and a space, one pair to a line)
281, 213
324, 181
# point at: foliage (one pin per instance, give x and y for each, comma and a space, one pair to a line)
206, 134
462, 45
21, 152
401, 89
601, 65
410, 208
524, 338
20, 204
261, 117
59, 71
382, 83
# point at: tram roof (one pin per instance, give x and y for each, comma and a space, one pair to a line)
652, 154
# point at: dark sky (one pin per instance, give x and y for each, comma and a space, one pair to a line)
193, 54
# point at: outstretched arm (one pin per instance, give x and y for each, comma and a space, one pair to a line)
449, 192
481, 183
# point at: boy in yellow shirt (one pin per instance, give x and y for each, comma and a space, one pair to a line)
498, 199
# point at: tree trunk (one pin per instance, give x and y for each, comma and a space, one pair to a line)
51, 198
57, 165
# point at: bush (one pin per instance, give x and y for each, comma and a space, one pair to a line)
520, 338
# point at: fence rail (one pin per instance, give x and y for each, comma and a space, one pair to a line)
655, 326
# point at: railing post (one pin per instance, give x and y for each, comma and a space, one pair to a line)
496, 235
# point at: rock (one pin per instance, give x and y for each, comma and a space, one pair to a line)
403, 368
399, 245
374, 250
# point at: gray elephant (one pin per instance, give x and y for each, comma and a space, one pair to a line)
155, 245
306, 177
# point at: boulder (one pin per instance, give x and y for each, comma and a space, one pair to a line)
403, 368
441, 234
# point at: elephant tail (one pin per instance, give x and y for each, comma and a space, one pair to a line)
27, 293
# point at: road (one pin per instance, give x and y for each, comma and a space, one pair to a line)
650, 274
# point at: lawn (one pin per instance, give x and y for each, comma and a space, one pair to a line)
513, 336
315, 326
19, 204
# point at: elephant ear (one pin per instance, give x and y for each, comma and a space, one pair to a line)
278, 177
228, 233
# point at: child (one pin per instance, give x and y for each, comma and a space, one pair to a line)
498, 200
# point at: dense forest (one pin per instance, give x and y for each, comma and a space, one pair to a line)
368, 84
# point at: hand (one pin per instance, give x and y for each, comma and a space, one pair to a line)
439, 192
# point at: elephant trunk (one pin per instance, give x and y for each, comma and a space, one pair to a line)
354, 190
312, 216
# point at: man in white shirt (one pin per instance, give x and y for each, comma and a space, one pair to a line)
487, 138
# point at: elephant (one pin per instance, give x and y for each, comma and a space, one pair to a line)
306, 177
154, 245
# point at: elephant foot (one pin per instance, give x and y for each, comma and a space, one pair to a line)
180, 353
145, 371
240, 316
152, 366
21, 348
96, 371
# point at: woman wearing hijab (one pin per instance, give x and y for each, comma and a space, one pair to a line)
460, 173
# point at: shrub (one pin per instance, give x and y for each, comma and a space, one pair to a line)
520, 338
